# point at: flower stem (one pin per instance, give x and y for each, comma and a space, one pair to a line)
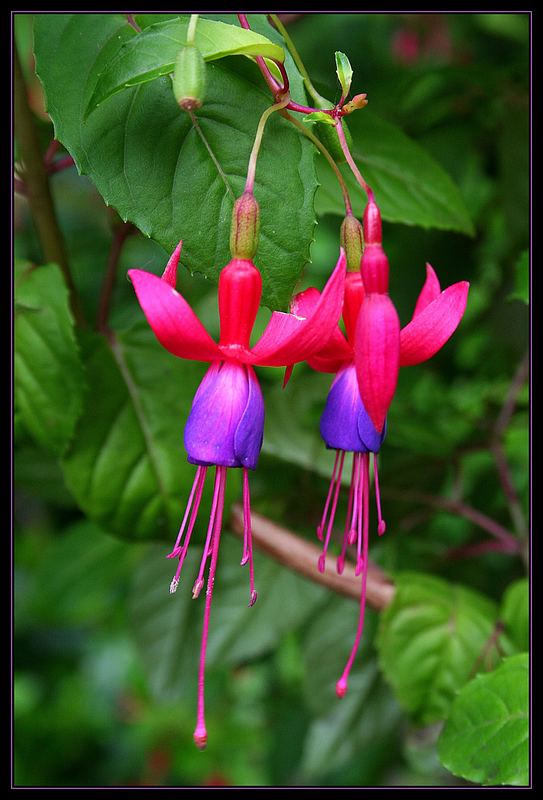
119, 238
319, 99
319, 145
350, 161
268, 77
191, 30
251, 170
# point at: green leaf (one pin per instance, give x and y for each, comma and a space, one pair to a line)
319, 116
344, 72
522, 279
168, 627
485, 739
152, 53
430, 641
48, 374
515, 613
91, 586
409, 185
171, 180
126, 466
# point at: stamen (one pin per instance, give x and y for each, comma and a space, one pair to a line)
340, 563
341, 685
198, 584
363, 478
200, 732
321, 527
321, 564
248, 532
382, 526
176, 548
246, 518
183, 551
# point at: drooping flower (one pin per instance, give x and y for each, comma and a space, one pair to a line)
346, 426
226, 421
380, 347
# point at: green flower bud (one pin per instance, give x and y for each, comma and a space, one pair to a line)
352, 241
245, 227
189, 78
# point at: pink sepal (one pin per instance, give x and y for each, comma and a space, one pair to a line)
170, 273
377, 355
429, 291
174, 323
433, 326
289, 338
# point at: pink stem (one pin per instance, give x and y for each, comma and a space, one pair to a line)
347, 153
61, 164
54, 144
266, 74
200, 732
340, 563
246, 518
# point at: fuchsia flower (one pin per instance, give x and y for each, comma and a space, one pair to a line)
366, 364
380, 347
226, 422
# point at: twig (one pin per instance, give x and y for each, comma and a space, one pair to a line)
510, 401
301, 556
38, 190
462, 509
479, 549
119, 238
496, 447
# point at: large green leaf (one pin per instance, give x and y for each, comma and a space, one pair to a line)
152, 53
343, 728
430, 642
410, 186
515, 613
485, 738
172, 180
48, 375
126, 465
168, 627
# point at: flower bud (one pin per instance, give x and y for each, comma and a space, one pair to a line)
373, 229
374, 269
245, 227
358, 101
352, 241
189, 78
328, 136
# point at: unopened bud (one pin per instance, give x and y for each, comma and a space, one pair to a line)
189, 78
352, 241
373, 229
245, 227
358, 101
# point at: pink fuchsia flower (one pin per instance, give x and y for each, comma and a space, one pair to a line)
226, 422
346, 425
380, 347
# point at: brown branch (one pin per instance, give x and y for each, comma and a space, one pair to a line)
301, 556
38, 190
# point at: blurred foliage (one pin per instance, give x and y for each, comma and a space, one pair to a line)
105, 659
